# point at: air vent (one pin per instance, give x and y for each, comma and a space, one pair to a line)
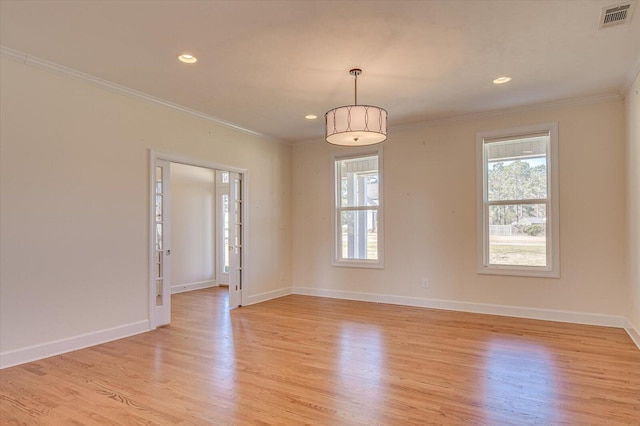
617, 14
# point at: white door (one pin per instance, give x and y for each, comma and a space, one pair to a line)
235, 240
161, 228
222, 227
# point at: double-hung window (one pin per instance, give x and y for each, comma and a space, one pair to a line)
358, 220
518, 229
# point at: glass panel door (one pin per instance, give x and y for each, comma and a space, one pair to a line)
235, 240
161, 251
222, 227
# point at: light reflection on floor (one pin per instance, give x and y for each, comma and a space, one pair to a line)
361, 366
519, 381
224, 373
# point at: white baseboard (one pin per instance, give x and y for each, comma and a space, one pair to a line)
181, 288
480, 308
57, 347
633, 332
267, 295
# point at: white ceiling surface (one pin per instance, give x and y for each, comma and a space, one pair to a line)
264, 65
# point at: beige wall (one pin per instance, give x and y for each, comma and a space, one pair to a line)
192, 226
633, 199
430, 219
74, 228
74, 209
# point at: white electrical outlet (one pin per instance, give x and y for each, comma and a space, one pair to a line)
425, 283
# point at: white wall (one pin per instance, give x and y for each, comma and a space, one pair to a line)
192, 227
633, 202
430, 223
74, 204
74, 209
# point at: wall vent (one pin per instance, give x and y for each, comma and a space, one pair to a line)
616, 14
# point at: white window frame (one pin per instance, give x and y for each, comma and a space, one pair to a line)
337, 235
552, 269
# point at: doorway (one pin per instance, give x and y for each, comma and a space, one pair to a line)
160, 235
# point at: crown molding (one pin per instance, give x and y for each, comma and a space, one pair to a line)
585, 100
43, 64
134, 94
13, 54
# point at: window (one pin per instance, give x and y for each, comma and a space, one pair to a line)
358, 210
518, 201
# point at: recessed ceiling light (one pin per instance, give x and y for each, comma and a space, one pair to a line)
187, 58
310, 116
502, 80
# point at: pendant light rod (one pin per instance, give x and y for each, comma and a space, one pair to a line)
355, 72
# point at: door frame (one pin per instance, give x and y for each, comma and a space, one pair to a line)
197, 162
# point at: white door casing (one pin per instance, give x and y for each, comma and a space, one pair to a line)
160, 295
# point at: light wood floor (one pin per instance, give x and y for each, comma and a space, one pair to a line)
304, 360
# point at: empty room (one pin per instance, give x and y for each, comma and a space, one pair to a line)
320, 212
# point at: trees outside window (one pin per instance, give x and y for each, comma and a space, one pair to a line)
517, 201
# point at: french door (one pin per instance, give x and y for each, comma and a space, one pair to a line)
160, 248
162, 231
222, 227
235, 239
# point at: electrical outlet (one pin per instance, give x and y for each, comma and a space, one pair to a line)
425, 283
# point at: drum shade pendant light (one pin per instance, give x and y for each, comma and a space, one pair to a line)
356, 125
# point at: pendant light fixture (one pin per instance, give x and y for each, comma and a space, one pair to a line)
356, 125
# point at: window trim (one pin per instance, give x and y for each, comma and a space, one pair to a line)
552, 270
357, 263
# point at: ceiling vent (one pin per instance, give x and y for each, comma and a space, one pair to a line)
616, 14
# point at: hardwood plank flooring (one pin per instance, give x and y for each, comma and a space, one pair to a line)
304, 360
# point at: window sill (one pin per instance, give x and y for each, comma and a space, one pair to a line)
518, 272
358, 264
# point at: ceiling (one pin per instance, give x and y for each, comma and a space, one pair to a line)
264, 65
